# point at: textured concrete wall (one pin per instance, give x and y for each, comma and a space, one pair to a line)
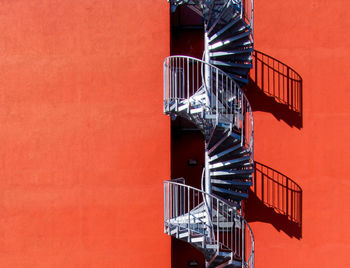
312, 38
84, 145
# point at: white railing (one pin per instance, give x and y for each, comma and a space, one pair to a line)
184, 80
222, 227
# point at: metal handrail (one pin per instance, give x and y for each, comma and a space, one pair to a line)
229, 231
183, 77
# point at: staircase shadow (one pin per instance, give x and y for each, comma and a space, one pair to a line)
276, 199
276, 88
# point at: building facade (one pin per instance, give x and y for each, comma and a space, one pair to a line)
86, 147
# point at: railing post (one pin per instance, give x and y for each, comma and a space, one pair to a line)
168, 204
217, 225
207, 69
188, 84
165, 206
232, 230
164, 85
189, 215
217, 96
175, 86
208, 188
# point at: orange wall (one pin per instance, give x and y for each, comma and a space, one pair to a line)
84, 144
312, 38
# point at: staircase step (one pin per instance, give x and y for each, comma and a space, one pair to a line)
232, 182
222, 8
242, 45
225, 135
225, 191
184, 234
182, 107
235, 138
224, 125
220, 32
196, 110
231, 64
239, 79
197, 239
230, 162
229, 40
231, 172
230, 52
225, 152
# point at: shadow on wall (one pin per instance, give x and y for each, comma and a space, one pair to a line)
275, 88
274, 198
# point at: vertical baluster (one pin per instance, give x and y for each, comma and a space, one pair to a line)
183, 78
173, 78
232, 225
192, 74
197, 72
165, 206
227, 225
170, 73
168, 88
217, 224
217, 96
164, 85
181, 200
188, 80
172, 201
168, 206
189, 215
232, 103
229, 90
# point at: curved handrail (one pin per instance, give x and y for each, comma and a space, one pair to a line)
206, 202
183, 76
229, 230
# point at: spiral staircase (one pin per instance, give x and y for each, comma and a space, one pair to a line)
208, 93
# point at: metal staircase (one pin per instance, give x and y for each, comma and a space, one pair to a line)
207, 92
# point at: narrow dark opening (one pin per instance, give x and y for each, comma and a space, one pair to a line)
187, 142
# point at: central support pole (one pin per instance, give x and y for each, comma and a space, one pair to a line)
207, 80
207, 77
207, 69
207, 177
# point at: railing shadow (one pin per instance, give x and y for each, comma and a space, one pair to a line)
274, 198
276, 88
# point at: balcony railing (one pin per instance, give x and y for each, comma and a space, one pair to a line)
221, 227
186, 77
